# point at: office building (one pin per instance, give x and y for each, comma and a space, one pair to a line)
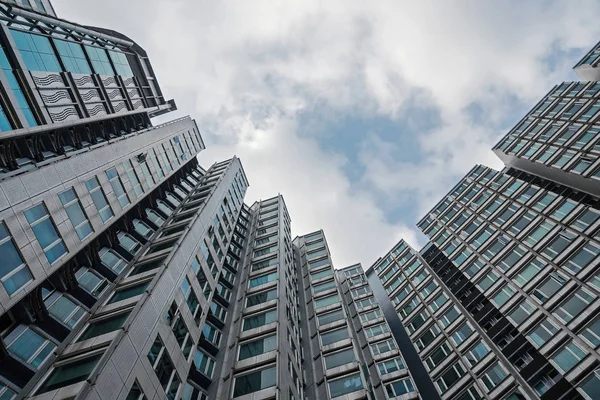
502, 303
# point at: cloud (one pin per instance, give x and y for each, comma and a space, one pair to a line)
258, 75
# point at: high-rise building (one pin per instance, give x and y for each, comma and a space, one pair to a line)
503, 302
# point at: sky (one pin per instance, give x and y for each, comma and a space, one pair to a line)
362, 114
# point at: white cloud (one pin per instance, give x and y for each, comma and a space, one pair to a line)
247, 70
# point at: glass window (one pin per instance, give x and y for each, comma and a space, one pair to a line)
330, 317
567, 358
120, 62
592, 333
112, 260
147, 173
36, 51
72, 57
13, 271
99, 60
321, 287
575, 304
104, 325
398, 388
382, 347
450, 376
261, 280
438, 355
521, 312
390, 366
62, 307
28, 346
99, 199
257, 347
23, 105
376, 330
476, 353
117, 185
339, 358
449, 316
133, 178
45, 232
255, 381
327, 301
75, 213
345, 385
261, 297
321, 274
547, 288
128, 292
90, 281
70, 373
142, 228
258, 320
462, 333
492, 377
334, 336
528, 272
591, 385
503, 295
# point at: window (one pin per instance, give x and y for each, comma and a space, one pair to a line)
345, 385
398, 388
212, 334
163, 366
521, 312
487, 281
133, 178
261, 280
13, 271
390, 366
72, 56
462, 333
36, 51
567, 358
438, 355
28, 346
255, 381
591, 385
334, 336
90, 281
449, 316
370, 315
142, 228
128, 292
330, 317
528, 272
70, 373
382, 347
61, 307
135, 393
575, 304
376, 330
326, 301
258, 320
104, 325
45, 232
560, 242
190, 296
549, 287
112, 260
261, 297
75, 213
542, 333
339, 358
476, 353
450, 376
257, 347
321, 287
427, 337
417, 321
493, 376
99, 199
117, 185
592, 333
120, 62
99, 60
128, 242
582, 257
513, 257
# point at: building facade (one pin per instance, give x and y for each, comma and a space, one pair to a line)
502, 303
